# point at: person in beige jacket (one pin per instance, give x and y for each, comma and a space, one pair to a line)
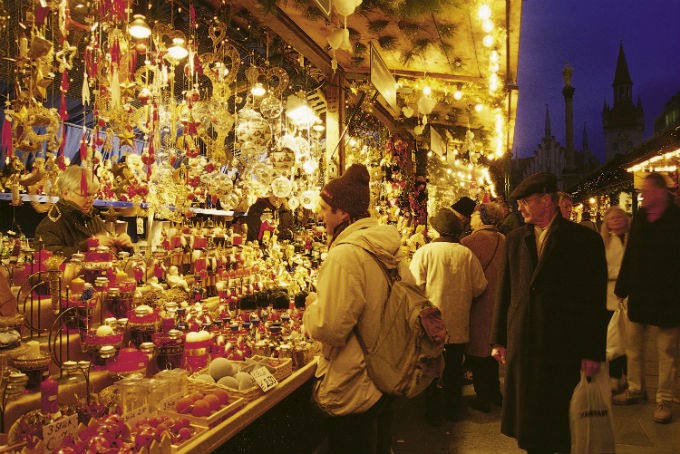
451, 276
351, 290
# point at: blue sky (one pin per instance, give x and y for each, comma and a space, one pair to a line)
586, 34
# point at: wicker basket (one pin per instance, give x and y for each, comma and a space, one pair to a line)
234, 405
247, 394
280, 368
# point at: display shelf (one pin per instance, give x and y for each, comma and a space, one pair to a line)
213, 438
114, 203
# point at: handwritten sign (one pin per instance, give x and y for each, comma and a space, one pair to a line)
133, 415
264, 379
54, 433
169, 403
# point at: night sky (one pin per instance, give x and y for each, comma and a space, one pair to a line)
586, 34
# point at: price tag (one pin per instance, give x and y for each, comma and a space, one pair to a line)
140, 226
264, 379
169, 403
54, 433
133, 415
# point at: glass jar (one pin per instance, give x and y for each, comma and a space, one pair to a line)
170, 349
70, 374
105, 356
114, 304
149, 349
143, 324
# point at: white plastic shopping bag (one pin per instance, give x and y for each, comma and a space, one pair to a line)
590, 416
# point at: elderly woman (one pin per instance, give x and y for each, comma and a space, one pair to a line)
70, 222
487, 243
614, 231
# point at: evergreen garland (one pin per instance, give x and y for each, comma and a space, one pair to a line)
388, 42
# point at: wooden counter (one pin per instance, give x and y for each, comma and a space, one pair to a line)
216, 436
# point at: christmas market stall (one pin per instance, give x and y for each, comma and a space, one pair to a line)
181, 146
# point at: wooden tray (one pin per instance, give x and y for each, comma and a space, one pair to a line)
212, 420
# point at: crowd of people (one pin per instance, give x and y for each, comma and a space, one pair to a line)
532, 295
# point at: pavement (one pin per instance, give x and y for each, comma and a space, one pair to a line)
479, 433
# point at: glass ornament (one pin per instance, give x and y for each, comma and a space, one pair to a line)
281, 187
271, 107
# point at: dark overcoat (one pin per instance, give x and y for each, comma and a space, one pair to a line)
549, 314
650, 270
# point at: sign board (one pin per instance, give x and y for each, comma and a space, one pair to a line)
264, 379
324, 6
54, 433
382, 79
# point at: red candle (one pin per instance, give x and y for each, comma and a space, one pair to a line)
49, 390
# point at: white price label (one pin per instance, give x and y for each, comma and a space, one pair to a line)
169, 402
140, 226
264, 379
133, 415
54, 433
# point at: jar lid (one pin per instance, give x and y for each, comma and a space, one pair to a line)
77, 257
107, 351
113, 291
110, 321
84, 364
174, 334
171, 306
147, 347
69, 366
122, 255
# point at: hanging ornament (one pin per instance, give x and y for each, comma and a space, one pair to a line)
281, 187
339, 40
308, 199
271, 107
346, 7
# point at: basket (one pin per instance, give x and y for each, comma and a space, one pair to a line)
280, 368
234, 405
247, 394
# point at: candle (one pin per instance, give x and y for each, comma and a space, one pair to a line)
77, 285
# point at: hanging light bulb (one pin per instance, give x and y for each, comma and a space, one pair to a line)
138, 28
484, 12
427, 90
258, 89
177, 51
487, 41
458, 94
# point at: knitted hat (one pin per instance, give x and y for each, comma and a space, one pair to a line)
464, 206
446, 222
350, 192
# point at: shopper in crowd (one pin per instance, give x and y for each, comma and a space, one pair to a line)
451, 276
351, 290
71, 221
268, 216
487, 243
463, 209
566, 205
614, 232
649, 277
550, 318
511, 219
586, 222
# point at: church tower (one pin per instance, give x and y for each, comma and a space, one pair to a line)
624, 122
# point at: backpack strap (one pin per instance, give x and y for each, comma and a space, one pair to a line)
391, 276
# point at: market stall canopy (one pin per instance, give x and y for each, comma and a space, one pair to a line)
465, 52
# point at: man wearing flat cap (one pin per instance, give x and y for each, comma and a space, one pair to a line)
550, 318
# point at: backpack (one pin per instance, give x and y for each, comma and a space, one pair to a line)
408, 354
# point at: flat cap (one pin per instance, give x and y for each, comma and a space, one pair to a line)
538, 183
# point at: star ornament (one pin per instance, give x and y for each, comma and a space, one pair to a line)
127, 137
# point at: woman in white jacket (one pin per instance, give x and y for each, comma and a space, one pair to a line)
614, 231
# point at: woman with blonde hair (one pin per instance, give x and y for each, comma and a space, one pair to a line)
71, 222
614, 231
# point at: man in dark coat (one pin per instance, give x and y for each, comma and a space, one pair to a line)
550, 319
649, 277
